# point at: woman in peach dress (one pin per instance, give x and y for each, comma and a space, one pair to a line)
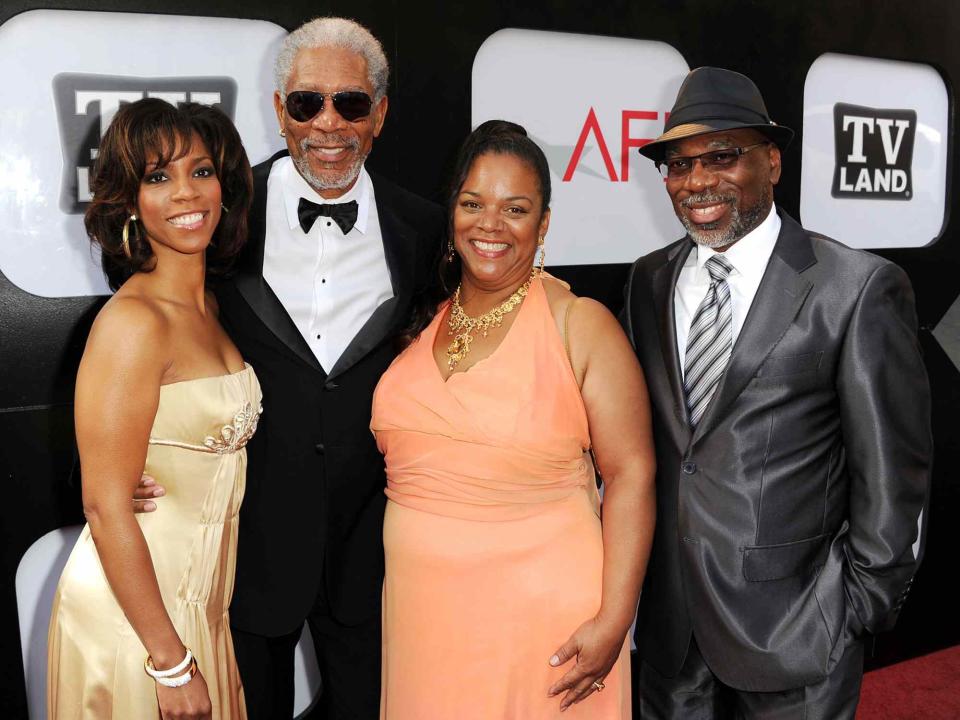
505, 595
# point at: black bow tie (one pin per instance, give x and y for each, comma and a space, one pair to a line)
343, 214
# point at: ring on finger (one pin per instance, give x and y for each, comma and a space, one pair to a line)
598, 684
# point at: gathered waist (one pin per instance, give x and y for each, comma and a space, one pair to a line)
483, 511
485, 483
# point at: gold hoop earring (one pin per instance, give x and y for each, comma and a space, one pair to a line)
543, 254
450, 251
125, 235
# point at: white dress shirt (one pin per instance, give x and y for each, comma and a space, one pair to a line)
329, 283
748, 256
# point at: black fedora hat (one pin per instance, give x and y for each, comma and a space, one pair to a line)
713, 99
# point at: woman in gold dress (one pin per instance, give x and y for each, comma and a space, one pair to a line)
139, 626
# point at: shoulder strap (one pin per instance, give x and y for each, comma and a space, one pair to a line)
626, 315
566, 346
566, 329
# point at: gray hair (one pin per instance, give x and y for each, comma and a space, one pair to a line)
339, 33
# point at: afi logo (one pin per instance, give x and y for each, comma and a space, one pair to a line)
87, 103
874, 152
627, 143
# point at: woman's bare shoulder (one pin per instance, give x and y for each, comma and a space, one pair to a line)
130, 333
558, 293
583, 311
130, 314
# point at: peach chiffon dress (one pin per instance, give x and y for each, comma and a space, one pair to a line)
494, 553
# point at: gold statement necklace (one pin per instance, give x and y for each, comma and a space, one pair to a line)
464, 328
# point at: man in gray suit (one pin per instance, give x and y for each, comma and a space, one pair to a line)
792, 424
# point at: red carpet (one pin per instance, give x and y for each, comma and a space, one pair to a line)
924, 688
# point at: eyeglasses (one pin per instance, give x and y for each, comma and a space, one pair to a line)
304, 105
714, 161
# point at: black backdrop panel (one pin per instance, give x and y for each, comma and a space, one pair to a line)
431, 48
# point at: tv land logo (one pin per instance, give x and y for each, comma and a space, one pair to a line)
874, 152
86, 104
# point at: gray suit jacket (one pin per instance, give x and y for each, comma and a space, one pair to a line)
786, 522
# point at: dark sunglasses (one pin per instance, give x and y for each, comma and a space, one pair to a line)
678, 167
304, 105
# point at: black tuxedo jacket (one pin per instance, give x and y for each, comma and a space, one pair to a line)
786, 521
313, 510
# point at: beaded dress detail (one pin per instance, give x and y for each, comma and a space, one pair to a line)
196, 452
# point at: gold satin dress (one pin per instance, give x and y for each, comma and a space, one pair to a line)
196, 452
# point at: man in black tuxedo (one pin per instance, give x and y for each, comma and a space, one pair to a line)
335, 255
792, 425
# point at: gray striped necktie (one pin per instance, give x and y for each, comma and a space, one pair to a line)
710, 340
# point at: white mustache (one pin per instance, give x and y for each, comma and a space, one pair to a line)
328, 140
705, 198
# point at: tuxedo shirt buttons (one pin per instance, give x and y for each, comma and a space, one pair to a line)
319, 447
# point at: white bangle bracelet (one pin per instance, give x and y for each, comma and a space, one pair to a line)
176, 670
175, 682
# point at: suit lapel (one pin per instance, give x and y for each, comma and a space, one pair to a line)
778, 300
663, 282
400, 246
249, 278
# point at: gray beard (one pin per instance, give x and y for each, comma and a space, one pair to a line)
340, 181
741, 223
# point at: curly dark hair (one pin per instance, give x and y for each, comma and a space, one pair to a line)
152, 129
498, 137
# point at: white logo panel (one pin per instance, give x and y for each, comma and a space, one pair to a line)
589, 101
874, 172
54, 106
